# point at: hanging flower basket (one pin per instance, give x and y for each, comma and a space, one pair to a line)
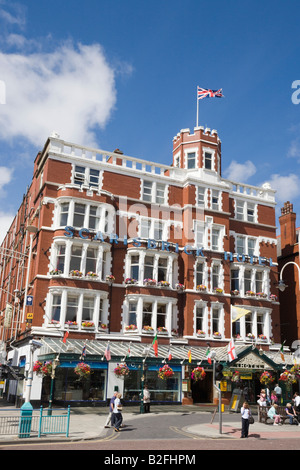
165, 372
288, 377
266, 378
121, 370
235, 376
82, 370
296, 371
198, 374
44, 369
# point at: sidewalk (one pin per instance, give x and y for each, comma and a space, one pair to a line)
88, 423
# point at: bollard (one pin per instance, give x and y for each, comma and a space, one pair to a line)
25, 420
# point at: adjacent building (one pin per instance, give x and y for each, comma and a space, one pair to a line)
107, 250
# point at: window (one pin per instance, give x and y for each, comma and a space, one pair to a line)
199, 234
94, 178
191, 160
88, 176
154, 192
93, 217
199, 319
162, 269
88, 308
158, 230
199, 274
258, 281
145, 228
245, 245
216, 323
72, 308
132, 320
79, 213
79, 176
239, 210
215, 200
147, 314
250, 212
56, 308
235, 284
248, 323
91, 259
215, 276
247, 280
208, 161
240, 245
60, 259
215, 239
64, 210
161, 315
201, 196
251, 246
260, 324
134, 268
76, 254
149, 264
245, 210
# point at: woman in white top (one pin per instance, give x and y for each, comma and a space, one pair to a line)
118, 418
245, 413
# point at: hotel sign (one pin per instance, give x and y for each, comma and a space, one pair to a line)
113, 238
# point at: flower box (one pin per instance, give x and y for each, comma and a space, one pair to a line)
88, 325
273, 297
180, 287
110, 278
91, 275
235, 292
130, 280
150, 282
217, 335
71, 324
131, 329
147, 329
163, 284
55, 272
102, 327
250, 293
262, 338
174, 333
218, 290
75, 273
201, 287
250, 337
201, 334
261, 295
162, 330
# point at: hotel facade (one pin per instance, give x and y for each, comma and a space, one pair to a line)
107, 250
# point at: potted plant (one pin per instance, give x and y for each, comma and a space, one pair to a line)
110, 278
262, 337
261, 294
130, 328
121, 370
102, 327
235, 292
83, 370
273, 297
71, 324
250, 337
198, 374
165, 372
163, 284
250, 293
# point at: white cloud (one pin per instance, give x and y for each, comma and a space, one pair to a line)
5, 222
287, 187
240, 172
70, 90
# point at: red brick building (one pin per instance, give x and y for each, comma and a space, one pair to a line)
112, 248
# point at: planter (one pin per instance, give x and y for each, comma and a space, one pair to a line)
201, 335
130, 329
163, 284
217, 335
150, 282
218, 290
162, 331
201, 288
130, 281
148, 330
92, 276
76, 273
71, 325
180, 288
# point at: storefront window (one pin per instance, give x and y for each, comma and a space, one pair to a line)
161, 390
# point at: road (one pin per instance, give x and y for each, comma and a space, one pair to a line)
147, 437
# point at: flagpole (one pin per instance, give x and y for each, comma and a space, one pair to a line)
197, 122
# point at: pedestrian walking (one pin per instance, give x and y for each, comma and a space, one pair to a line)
278, 392
117, 413
146, 399
246, 414
110, 417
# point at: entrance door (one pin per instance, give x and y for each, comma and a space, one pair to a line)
202, 389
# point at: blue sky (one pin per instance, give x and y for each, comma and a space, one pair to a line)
123, 74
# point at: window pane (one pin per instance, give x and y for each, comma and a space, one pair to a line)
147, 315
72, 307
147, 191
56, 307
132, 313
79, 212
88, 308
94, 218
235, 279
79, 175
208, 161
148, 270
247, 280
134, 269
161, 315
94, 177
215, 239
64, 209
75, 261
160, 193
191, 160
162, 269
199, 318
199, 274
91, 260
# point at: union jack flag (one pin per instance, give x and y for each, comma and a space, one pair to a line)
205, 93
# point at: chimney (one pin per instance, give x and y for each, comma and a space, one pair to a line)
287, 222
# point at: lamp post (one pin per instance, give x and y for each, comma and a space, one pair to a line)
145, 353
54, 365
281, 284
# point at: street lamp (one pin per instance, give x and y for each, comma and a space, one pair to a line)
281, 284
55, 363
145, 353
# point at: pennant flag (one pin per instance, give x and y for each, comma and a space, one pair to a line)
190, 355
107, 353
238, 312
169, 355
155, 345
65, 337
128, 352
231, 351
206, 93
208, 355
281, 352
83, 353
